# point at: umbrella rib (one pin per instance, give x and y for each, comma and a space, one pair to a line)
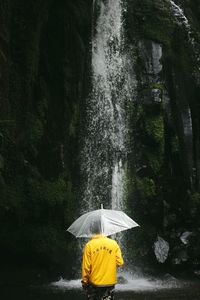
101, 217
78, 234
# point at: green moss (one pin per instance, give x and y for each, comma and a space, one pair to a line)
55, 197
154, 160
157, 85
151, 136
154, 128
146, 187
35, 215
151, 20
195, 198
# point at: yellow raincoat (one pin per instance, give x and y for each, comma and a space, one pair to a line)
101, 258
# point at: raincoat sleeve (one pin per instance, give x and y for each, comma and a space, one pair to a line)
86, 265
119, 259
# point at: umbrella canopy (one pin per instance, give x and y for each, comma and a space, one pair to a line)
104, 221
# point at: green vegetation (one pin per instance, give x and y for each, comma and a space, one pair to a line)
35, 215
154, 128
151, 20
146, 187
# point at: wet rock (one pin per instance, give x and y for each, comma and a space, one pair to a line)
168, 277
180, 258
161, 249
151, 54
176, 261
156, 95
156, 56
197, 272
185, 237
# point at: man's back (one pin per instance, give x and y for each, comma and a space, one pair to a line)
100, 259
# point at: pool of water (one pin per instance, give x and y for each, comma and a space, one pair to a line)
134, 288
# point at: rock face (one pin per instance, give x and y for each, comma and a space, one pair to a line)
44, 48
166, 193
45, 51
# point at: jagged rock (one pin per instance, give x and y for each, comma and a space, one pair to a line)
156, 95
185, 237
161, 249
151, 54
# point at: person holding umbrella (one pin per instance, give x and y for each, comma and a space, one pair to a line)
101, 257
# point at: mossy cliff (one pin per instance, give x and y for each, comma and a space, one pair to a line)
45, 61
165, 128
43, 57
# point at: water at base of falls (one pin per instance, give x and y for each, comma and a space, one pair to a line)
140, 289
129, 283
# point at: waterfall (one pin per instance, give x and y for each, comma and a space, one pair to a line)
179, 14
183, 21
105, 146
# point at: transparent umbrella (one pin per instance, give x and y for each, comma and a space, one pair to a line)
104, 221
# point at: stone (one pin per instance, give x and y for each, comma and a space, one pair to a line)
185, 237
151, 54
156, 95
161, 249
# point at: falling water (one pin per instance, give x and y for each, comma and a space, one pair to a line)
179, 14
106, 140
183, 21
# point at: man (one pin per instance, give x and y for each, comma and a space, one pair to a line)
101, 258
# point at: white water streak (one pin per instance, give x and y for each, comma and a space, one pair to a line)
179, 14
183, 21
187, 122
118, 186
